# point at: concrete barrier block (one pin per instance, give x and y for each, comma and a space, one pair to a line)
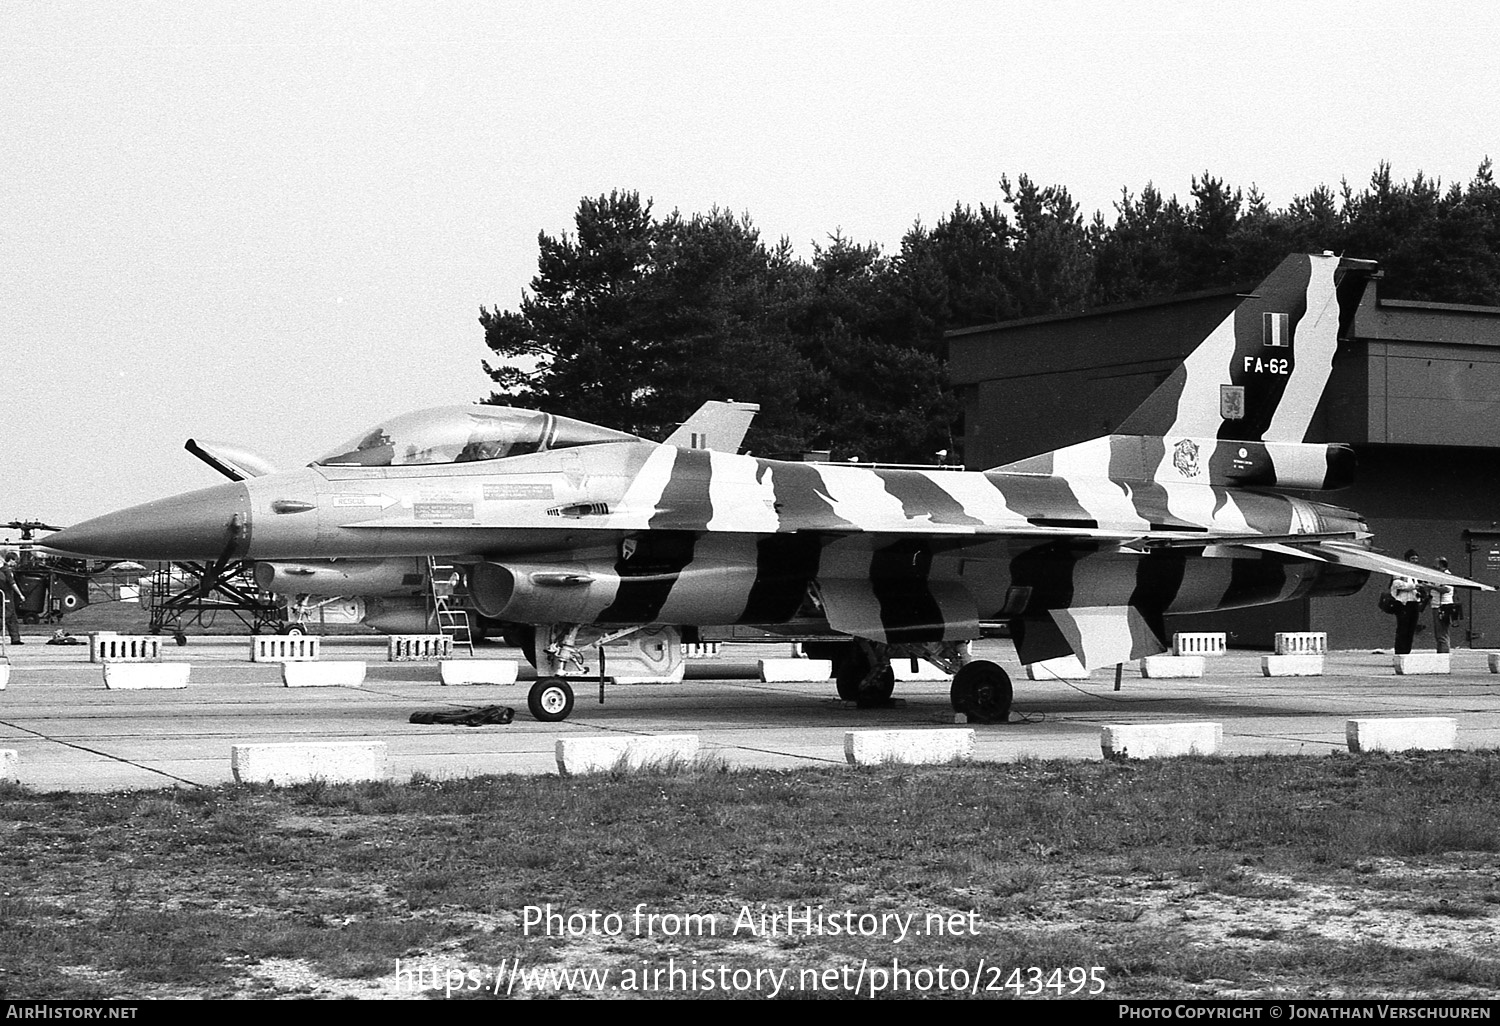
4, 675
1203, 644
1165, 667
340, 674
301, 761
1402, 734
911, 747
10, 764
791, 671
1061, 668
1423, 662
918, 670
145, 676
126, 648
412, 648
1494, 662
1291, 666
1160, 740
479, 671
279, 648
577, 756
1301, 643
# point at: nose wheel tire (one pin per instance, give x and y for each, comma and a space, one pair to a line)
982, 691
550, 700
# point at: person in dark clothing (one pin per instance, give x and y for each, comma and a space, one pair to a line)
11, 596
1409, 595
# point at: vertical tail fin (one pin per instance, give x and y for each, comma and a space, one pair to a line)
1259, 375
1237, 409
716, 425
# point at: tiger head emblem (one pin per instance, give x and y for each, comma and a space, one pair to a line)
1185, 457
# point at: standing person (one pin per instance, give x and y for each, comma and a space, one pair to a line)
11, 596
1444, 608
1408, 595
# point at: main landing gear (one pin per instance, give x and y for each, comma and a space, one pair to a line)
982, 691
862, 678
862, 671
861, 668
863, 675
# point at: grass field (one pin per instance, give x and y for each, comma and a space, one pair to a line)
1339, 876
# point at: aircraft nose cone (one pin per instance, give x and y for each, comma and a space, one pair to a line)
206, 524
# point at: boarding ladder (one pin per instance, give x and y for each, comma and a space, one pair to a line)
448, 590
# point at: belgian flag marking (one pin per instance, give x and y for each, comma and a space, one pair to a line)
1276, 330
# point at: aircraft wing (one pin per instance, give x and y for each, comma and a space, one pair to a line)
1332, 547
718, 426
1352, 555
1198, 541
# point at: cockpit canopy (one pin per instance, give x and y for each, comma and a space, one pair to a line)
463, 434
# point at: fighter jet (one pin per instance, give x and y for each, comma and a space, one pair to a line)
576, 534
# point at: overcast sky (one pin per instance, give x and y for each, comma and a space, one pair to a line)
275, 224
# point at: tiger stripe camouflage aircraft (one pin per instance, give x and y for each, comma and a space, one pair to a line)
574, 534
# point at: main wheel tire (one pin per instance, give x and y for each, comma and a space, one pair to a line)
849, 670
294, 629
877, 693
982, 691
852, 677
550, 700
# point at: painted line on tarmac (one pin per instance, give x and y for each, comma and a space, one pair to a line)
786, 755
106, 755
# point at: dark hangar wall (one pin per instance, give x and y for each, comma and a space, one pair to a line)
1416, 391
1035, 385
